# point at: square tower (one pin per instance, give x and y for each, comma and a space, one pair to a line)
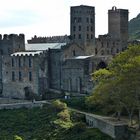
82, 25
118, 23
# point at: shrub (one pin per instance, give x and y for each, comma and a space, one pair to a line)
64, 115
79, 127
17, 137
63, 124
77, 117
59, 106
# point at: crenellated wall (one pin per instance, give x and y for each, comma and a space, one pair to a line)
11, 43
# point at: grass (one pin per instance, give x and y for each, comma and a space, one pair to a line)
37, 124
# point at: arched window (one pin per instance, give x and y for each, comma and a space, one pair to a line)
101, 65
96, 51
102, 52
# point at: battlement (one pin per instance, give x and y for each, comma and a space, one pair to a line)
52, 39
12, 37
31, 53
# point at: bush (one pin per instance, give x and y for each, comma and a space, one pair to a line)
59, 106
76, 102
79, 127
64, 115
17, 137
63, 124
77, 117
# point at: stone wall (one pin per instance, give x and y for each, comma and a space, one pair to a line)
18, 77
76, 75
21, 105
117, 130
106, 45
12, 43
54, 68
72, 50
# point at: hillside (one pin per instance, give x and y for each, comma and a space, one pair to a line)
42, 124
134, 28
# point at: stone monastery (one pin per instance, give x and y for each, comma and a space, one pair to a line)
61, 63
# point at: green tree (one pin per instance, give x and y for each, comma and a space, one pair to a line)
119, 83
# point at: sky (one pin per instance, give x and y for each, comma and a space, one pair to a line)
52, 17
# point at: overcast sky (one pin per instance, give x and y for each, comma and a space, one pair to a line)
52, 17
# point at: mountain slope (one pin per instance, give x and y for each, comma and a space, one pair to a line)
134, 28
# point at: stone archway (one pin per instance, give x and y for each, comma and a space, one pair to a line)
101, 65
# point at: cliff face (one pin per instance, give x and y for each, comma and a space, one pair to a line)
134, 28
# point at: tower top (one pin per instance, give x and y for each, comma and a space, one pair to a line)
114, 8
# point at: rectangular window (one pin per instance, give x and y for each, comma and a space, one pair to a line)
79, 28
91, 28
13, 76
24, 61
30, 62
87, 28
74, 53
91, 36
74, 28
74, 20
13, 62
87, 20
91, 20
30, 76
19, 62
87, 36
20, 76
80, 36
79, 19
74, 36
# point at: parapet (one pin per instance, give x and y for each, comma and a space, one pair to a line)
52, 39
12, 37
115, 10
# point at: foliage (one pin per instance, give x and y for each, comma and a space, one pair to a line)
58, 105
37, 124
118, 85
17, 137
79, 127
64, 115
76, 102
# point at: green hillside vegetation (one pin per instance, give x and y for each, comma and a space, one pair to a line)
52, 122
134, 28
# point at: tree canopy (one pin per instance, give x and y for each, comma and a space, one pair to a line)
118, 86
